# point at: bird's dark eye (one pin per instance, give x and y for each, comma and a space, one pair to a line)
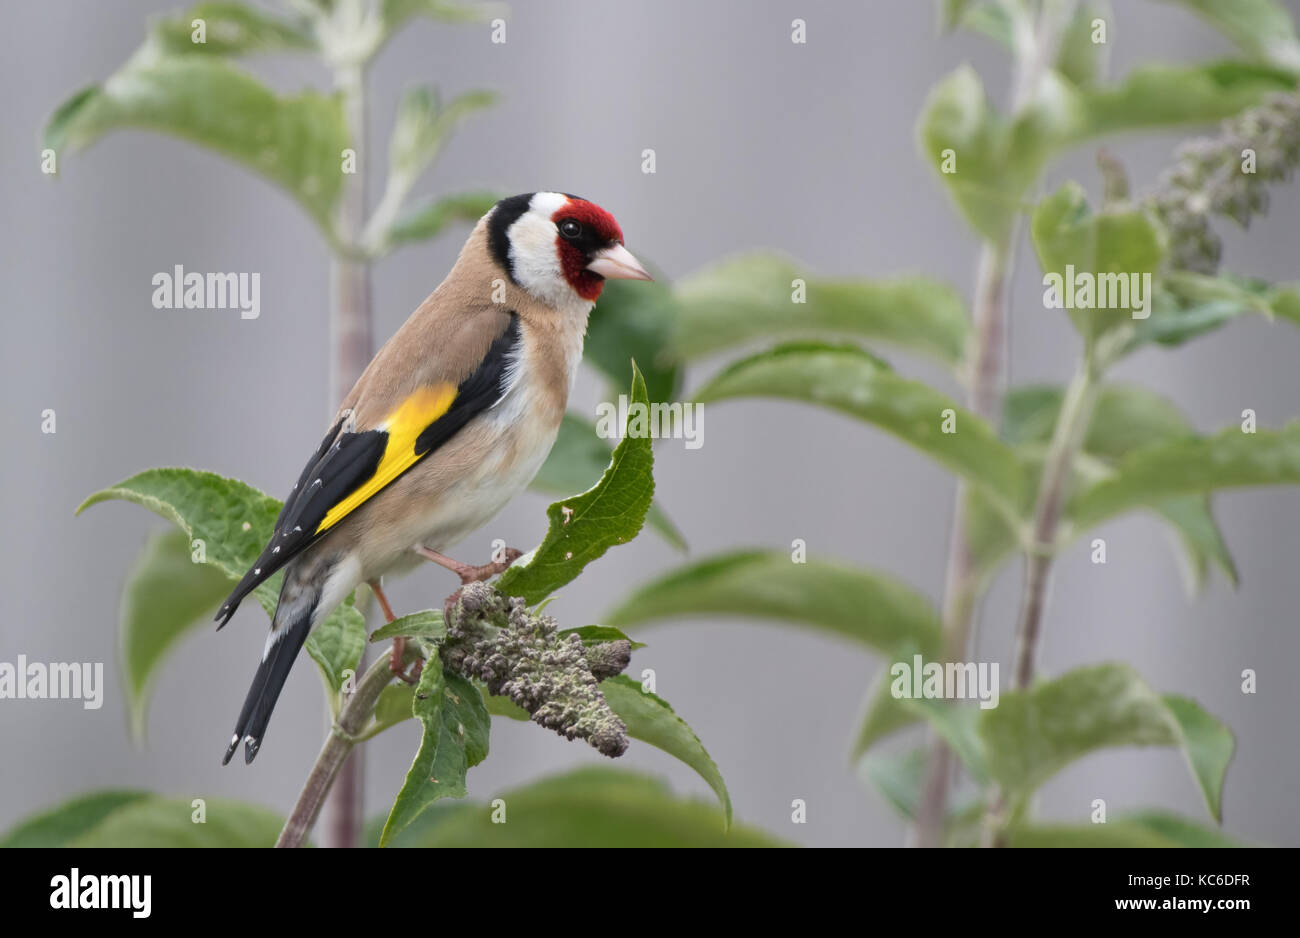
570, 228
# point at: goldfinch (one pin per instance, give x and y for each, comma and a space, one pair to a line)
452, 418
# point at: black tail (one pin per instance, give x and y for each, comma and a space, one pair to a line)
269, 680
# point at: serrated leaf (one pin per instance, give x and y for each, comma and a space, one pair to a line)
427, 624
651, 719
456, 726
234, 521
866, 607
295, 142
584, 526
849, 380
595, 807
1229, 459
165, 595
166, 822
59, 826
578, 459
751, 297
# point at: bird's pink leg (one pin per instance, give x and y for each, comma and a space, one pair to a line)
399, 641
466, 572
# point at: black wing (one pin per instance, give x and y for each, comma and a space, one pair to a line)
345, 461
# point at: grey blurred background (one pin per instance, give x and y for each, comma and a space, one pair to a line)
760, 143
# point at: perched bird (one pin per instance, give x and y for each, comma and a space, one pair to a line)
452, 418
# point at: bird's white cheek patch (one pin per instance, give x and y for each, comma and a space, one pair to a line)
534, 259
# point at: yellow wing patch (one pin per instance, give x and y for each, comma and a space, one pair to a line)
404, 426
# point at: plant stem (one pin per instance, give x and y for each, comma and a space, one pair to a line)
353, 717
1071, 425
984, 396
351, 346
1035, 47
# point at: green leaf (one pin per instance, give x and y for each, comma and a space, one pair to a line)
234, 521
166, 822
883, 714
1125, 418
432, 218
1191, 466
424, 123
61, 825
999, 158
394, 13
958, 725
1153, 97
1109, 249
1146, 830
165, 595
900, 778
1190, 305
991, 161
295, 142
1199, 537
868, 608
427, 624
635, 319
456, 726
599, 635
1033, 734
584, 526
951, 13
651, 719
1208, 745
594, 807
579, 458
1261, 28
751, 297
395, 705
1079, 60
502, 706
1184, 832
850, 380
231, 29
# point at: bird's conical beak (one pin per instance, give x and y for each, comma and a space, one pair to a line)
617, 263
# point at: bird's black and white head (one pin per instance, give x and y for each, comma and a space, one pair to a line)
559, 248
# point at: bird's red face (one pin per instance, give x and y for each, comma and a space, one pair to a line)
589, 243
558, 245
